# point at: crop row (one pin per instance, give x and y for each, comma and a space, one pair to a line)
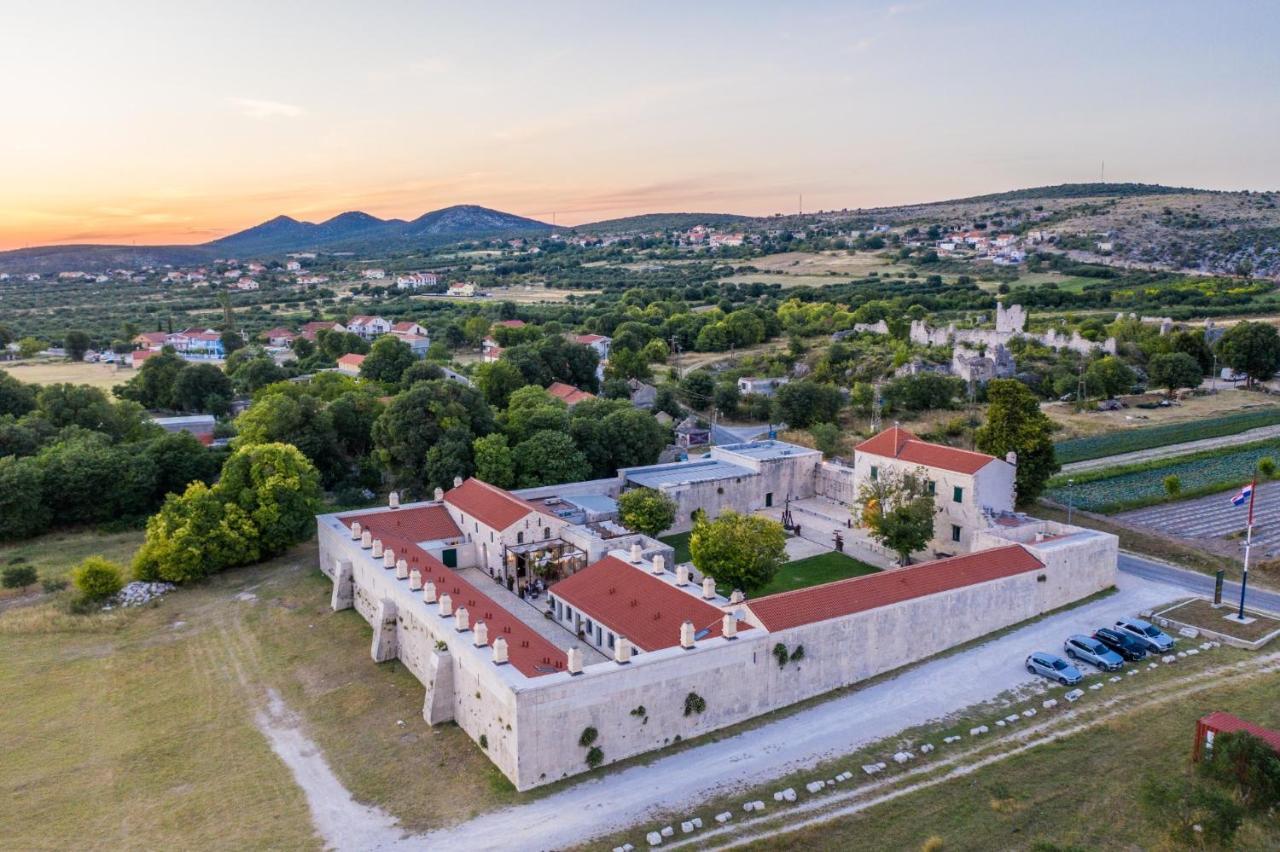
1132, 440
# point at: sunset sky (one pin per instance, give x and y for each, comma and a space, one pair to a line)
177, 122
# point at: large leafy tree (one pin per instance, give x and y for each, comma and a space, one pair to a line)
898, 510
387, 360
195, 534
547, 458
179, 460
87, 478
302, 421
279, 490
418, 422
22, 509
202, 387
495, 463
555, 359
257, 373
353, 415
1173, 370
1192, 343
1252, 348
1016, 424
1108, 376
497, 380
532, 410
153, 384
801, 404
16, 398
76, 343
738, 551
646, 510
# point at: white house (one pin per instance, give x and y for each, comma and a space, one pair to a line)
414, 280
598, 342
368, 327
969, 488
293, 266
414, 335
374, 274
759, 386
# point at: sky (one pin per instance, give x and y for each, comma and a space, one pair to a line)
161, 122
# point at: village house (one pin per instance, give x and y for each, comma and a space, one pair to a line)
462, 290
245, 284
508, 533
568, 394
374, 274
760, 386
279, 337
311, 329
414, 336
416, 280
368, 327
293, 266
150, 339
196, 343
349, 364
596, 342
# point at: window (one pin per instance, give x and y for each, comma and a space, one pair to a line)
875, 473
955, 533
957, 494
546, 533
932, 487
519, 538
611, 639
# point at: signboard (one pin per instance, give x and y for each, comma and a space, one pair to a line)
1217, 588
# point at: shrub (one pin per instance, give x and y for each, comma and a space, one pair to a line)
50, 585
1267, 466
694, 703
780, 654
798, 654
484, 742
18, 576
933, 844
98, 578
1172, 484
595, 757
589, 735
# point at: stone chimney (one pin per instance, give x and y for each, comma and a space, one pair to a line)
659, 564
737, 596
621, 651
1011, 457
461, 620
708, 588
389, 558
457, 480
635, 553
729, 626
438, 495
446, 606
402, 570
355, 530
481, 637
366, 540
682, 575
499, 651
415, 581
575, 661
429, 593
377, 548
686, 635
393, 500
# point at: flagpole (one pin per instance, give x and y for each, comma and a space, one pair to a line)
1248, 541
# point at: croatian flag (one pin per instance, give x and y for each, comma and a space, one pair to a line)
1246, 493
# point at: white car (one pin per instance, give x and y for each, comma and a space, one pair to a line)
1153, 638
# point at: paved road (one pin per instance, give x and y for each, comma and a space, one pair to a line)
742, 434
1245, 437
1193, 581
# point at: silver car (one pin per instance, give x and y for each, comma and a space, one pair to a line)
1093, 652
1054, 667
1153, 638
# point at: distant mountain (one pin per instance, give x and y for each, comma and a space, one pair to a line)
47, 260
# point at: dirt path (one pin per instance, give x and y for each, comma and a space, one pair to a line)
1245, 437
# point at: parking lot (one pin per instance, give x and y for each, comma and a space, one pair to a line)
1214, 517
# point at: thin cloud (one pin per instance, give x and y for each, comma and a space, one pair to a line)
903, 9
257, 108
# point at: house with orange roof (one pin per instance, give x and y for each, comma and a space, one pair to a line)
279, 336
368, 327
350, 364
311, 329
501, 528
969, 488
568, 394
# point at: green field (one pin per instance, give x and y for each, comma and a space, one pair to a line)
54, 555
816, 570
1132, 440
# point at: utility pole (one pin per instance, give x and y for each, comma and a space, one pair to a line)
675, 347
875, 409
1070, 500
714, 412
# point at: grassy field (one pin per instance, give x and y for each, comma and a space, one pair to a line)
135, 729
49, 372
815, 570
680, 541
55, 554
1075, 424
1131, 440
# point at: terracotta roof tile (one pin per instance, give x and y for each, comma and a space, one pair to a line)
351, 359
419, 523
1224, 722
489, 504
898, 443
857, 594
630, 602
568, 393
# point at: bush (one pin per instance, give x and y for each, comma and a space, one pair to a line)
595, 757
51, 585
18, 576
98, 578
1267, 466
588, 737
694, 703
1172, 485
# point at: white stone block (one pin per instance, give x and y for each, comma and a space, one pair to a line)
759, 805
1191, 652
697, 822
1029, 712
954, 738
1131, 672
654, 838
926, 748
1153, 665
981, 729
1001, 723
627, 847
1095, 686
686, 827
789, 794
1011, 718
1114, 679
1189, 632
1168, 658
871, 768
1049, 704
668, 831
903, 757
777, 797
1181, 654
814, 786
1074, 695
1204, 646
724, 817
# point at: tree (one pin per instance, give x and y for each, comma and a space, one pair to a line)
898, 510
231, 341
1193, 344
828, 438
97, 578
153, 385
1249, 765
1016, 424
420, 371
531, 409
18, 576
1108, 376
16, 398
801, 404
88, 478
1173, 370
353, 415
697, 388
548, 458
1192, 814
475, 328
76, 343
202, 387
922, 392
178, 460
495, 463
22, 509
555, 359
1172, 485
387, 360
76, 405
29, 347
195, 534
497, 380
1251, 348
646, 510
418, 421
278, 489
301, 421
257, 373
738, 551
632, 437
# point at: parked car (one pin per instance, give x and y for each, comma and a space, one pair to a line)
1093, 652
1153, 638
1129, 647
1054, 668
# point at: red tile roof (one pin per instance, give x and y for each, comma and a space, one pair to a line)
405, 326
898, 443
489, 504
278, 331
527, 651
142, 355
857, 594
155, 338
351, 359
587, 339
632, 603
419, 523
1223, 722
568, 393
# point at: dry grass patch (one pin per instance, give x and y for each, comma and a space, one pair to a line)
47, 372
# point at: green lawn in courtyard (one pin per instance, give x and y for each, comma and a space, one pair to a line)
680, 541
815, 570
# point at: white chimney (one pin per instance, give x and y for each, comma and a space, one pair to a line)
388, 558
393, 500
377, 548
366, 540
481, 634
575, 661
499, 651
729, 626
635, 552
737, 596
708, 588
415, 581
621, 651
1011, 457
659, 564
457, 480
429, 593
439, 495
402, 570
682, 575
686, 635
461, 620
446, 605
355, 530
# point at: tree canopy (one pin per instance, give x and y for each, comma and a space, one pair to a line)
1016, 424
738, 551
898, 511
646, 510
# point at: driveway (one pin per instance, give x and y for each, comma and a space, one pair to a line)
928, 692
